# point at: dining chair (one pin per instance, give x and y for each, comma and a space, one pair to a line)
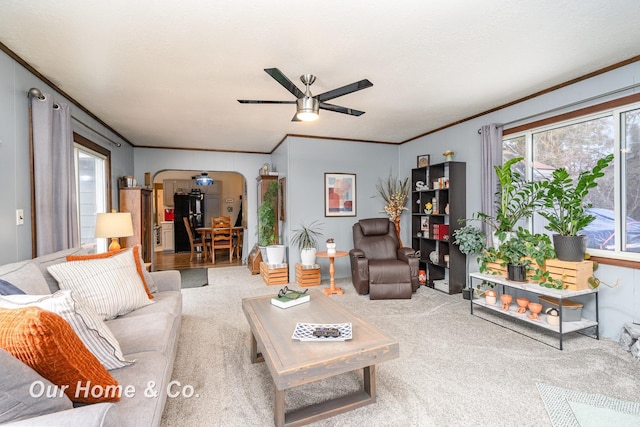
221, 236
195, 242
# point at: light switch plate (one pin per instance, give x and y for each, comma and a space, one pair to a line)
19, 217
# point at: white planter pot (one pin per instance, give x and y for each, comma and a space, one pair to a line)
308, 256
275, 254
263, 252
497, 242
331, 248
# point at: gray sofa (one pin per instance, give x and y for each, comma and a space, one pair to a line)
149, 335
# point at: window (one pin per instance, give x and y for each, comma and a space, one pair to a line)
576, 143
92, 178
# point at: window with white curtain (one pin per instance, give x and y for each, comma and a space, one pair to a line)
576, 144
92, 166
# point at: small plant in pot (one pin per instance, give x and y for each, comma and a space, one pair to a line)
305, 239
471, 241
524, 253
565, 209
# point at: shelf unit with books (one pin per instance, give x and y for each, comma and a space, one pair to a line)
443, 185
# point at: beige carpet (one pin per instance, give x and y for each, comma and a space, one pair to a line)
454, 368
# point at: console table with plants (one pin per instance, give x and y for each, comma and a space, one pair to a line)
438, 202
561, 329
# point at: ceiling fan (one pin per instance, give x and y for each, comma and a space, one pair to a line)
307, 105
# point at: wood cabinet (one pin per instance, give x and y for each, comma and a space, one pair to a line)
167, 236
172, 186
138, 201
444, 186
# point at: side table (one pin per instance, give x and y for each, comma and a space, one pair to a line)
332, 289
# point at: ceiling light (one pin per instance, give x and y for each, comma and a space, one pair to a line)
308, 108
203, 179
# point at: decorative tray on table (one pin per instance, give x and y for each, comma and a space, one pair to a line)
305, 331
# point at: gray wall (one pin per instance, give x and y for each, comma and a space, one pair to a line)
307, 160
15, 191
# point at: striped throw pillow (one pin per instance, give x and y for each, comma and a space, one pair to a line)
111, 286
86, 323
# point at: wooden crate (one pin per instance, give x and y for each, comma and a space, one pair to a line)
496, 269
574, 275
306, 276
274, 276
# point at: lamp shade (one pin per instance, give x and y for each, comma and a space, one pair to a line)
114, 224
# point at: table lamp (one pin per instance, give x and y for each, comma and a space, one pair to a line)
114, 225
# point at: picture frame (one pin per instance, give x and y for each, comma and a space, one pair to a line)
339, 194
423, 160
424, 223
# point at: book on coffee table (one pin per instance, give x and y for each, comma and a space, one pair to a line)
290, 299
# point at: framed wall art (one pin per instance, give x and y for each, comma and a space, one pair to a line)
339, 194
423, 160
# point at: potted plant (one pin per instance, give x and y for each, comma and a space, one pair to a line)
566, 211
306, 239
470, 240
395, 193
524, 253
516, 199
266, 231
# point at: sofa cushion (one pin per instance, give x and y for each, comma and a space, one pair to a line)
26, 276
7, 288
45, 342
389, 271
146, 278
45, 261
150, 377
18, 390
111, 286
86, 323
164, 302
150, 332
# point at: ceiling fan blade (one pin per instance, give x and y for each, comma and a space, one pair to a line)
353, 87
339, 109
284, 81
253, 101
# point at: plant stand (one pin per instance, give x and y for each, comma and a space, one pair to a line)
277, 274
307, 275
561, 329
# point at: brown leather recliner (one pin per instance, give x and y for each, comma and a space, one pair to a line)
379, 266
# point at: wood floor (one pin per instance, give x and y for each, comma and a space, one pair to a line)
180, 261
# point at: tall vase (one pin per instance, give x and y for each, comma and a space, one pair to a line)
396, 222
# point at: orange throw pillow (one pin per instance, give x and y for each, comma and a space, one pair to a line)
109, 254
44, 341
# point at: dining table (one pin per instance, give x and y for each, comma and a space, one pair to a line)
206, 232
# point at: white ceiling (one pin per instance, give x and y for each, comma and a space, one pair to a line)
167, 73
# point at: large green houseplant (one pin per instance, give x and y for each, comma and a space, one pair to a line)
566, 211
305, 239
515, 199
266, 231
471, 241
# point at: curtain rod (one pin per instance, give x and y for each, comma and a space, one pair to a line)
573, 104
36, 93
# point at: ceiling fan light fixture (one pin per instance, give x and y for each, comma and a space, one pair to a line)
308, 108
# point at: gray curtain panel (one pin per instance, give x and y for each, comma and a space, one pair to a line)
491, 156
56, 209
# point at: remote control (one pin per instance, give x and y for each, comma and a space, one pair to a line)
326, 332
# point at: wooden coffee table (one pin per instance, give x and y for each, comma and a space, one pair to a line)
293, 363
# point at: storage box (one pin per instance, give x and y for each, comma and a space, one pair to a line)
274, 276
574, 275
307, 275
441, 285
571, 310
